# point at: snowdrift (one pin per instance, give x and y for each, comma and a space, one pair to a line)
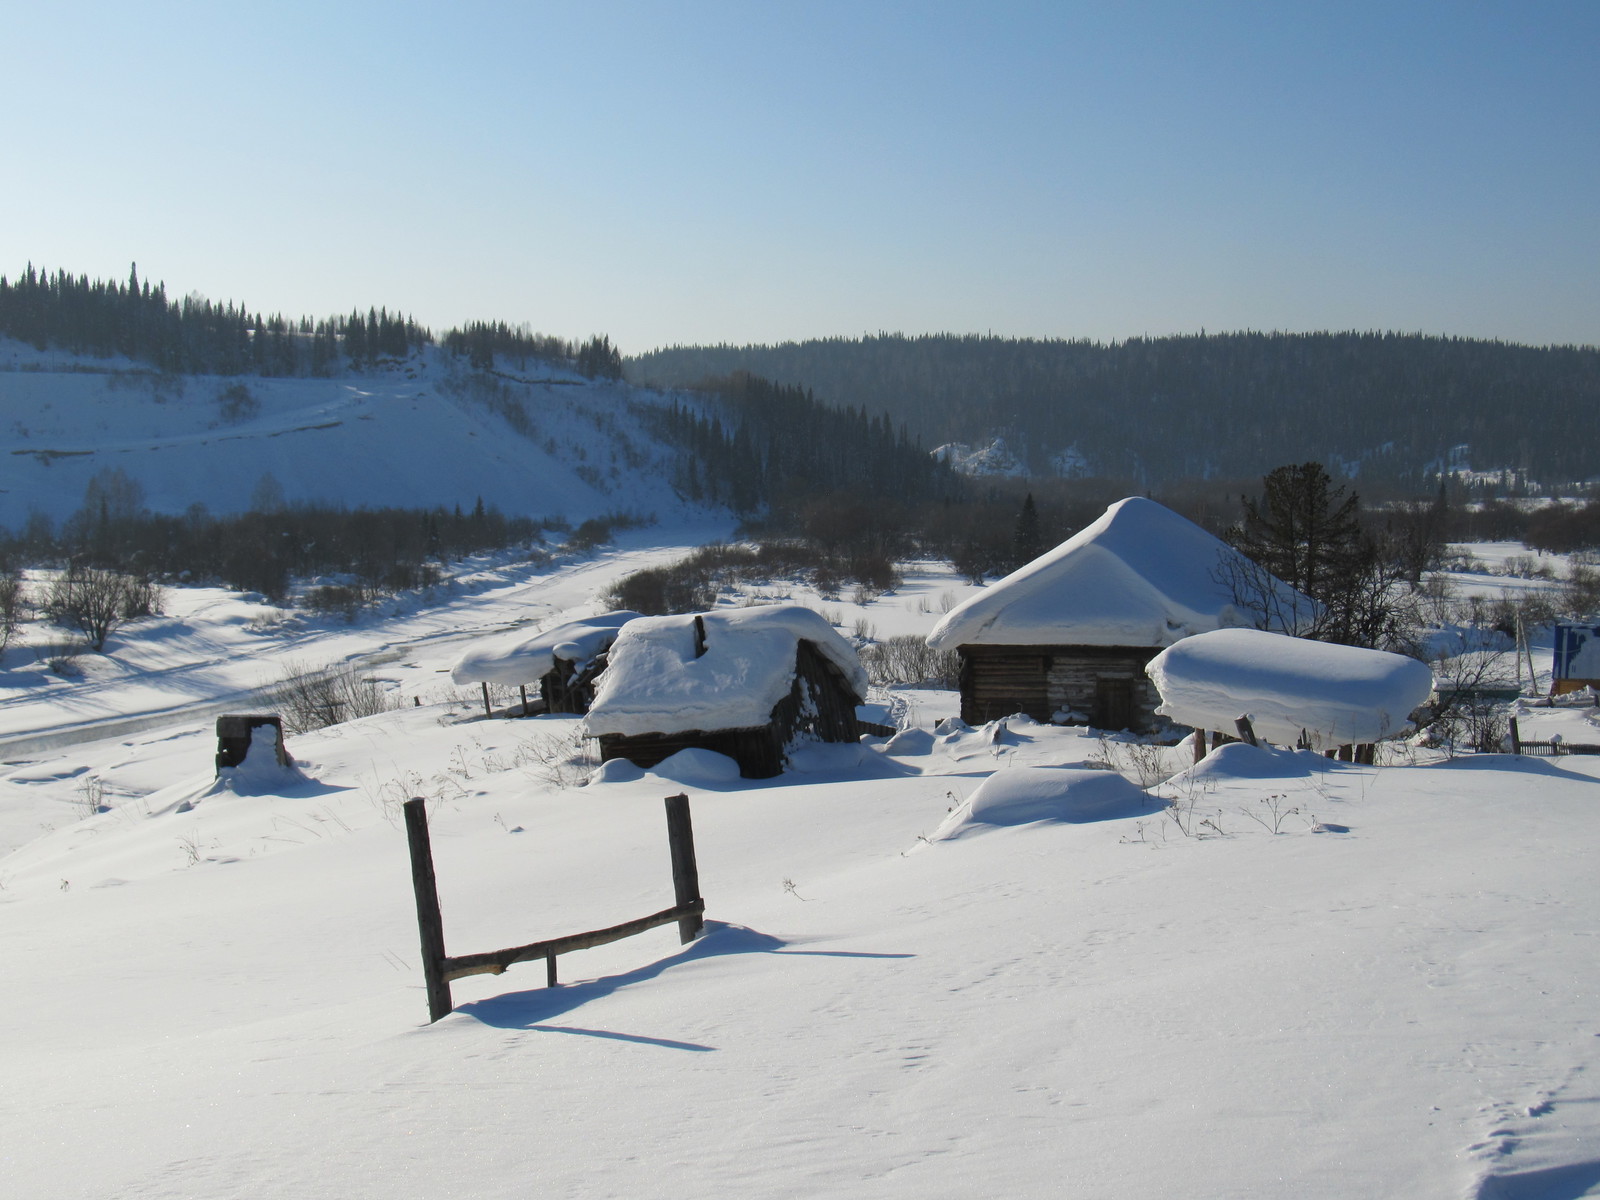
1020, 795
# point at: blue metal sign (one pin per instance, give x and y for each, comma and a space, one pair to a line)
1577, 652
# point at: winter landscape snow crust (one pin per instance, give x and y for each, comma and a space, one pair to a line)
1272, 975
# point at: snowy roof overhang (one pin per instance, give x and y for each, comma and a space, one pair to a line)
1336, 695
655, 682
519, 658
1141, 575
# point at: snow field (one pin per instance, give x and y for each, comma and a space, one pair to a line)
1393, 995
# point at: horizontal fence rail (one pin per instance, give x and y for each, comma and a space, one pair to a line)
439, 968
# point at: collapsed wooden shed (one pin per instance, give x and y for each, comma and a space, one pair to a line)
1066, 637
750, 683
563, 661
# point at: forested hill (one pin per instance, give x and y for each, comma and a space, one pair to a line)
1399, 406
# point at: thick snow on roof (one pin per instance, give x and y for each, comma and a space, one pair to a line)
519, 658
653, 682
1336, 694
1139, 576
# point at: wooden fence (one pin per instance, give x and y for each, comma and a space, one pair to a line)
1548, 749
439, 968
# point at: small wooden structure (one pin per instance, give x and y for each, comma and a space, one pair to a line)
564, 661
1067, 637
440, 969
235, 734
748, 683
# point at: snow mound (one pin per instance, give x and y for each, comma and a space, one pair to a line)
654, 683
1141, 575
617, 770
1021, 795
260, 774
1337, 695
909, 742
518, 658
697, 767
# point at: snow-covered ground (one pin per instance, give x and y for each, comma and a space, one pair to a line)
417, 433
214, 990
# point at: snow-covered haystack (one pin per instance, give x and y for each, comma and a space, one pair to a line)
1021, 795
518, 658
658, 683
1141, 575
1335, 695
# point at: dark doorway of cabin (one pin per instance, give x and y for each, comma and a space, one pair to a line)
1113, 704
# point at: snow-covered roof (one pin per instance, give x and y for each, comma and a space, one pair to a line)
1338, 695
518, 658
653, 683
1141, 575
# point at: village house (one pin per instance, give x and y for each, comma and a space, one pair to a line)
1066, 637
750, 683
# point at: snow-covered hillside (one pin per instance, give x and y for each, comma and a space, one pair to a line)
1304, 978
418, 433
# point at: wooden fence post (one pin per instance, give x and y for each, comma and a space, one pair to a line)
430, 925
685, 873
1516, 737
1247, 732
487, 711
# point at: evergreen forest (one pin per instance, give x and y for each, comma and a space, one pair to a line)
1400, 409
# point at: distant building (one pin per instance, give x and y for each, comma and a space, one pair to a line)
1067, 637
750, 683
563, 661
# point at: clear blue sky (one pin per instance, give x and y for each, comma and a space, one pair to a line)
700, 171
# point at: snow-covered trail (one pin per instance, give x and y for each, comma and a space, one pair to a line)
183, 667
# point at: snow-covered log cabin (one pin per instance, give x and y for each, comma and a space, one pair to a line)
563, 661
1067, 637
749, 683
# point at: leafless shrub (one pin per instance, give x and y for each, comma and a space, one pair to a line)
1142, 762
309, 698
13, 606
237, 403
61, 657
96, 601
1271, 813
557, 760
908, 660
91, 795
335, 598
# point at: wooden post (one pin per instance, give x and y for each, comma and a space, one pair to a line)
523, 688
550, 970
699, 635
1247, 733
685, 873
430, 925
486, 698
1199, 744
1516, 737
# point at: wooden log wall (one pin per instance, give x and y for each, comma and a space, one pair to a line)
997, 681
